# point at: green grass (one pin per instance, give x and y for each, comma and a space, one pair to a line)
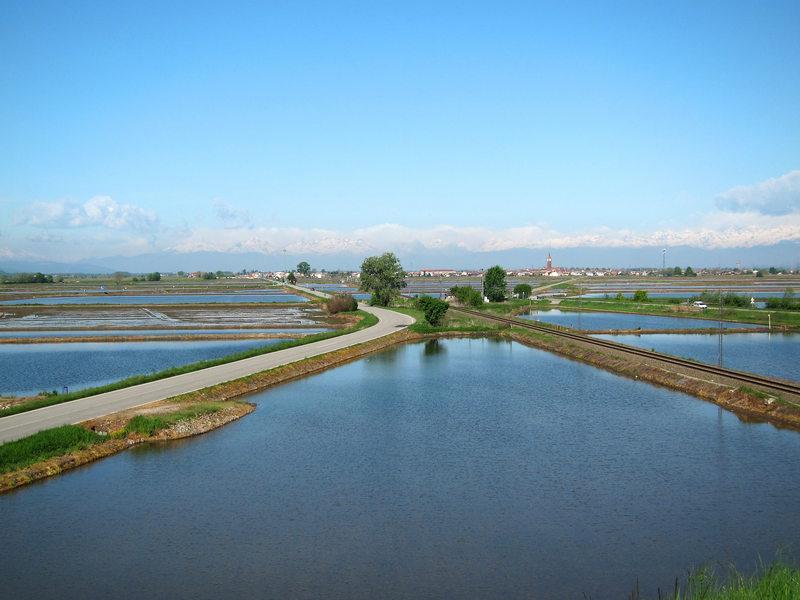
45, 444
753, 392
453, 322
367, 320
778, 581
150, 424
510, 306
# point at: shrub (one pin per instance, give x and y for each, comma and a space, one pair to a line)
728, 299
433, 309
523, 290
467, 296
640, 296
341, 303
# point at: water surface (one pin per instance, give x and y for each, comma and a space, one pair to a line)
773, 354
154, 332
599, 321
232, 298
453, 469
27, 369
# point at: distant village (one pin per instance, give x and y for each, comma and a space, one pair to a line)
549, 269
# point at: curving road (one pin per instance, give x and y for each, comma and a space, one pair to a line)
91, 407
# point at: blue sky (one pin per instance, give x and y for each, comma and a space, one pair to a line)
132, 128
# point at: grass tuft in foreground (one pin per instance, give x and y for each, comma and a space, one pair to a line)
45, 444
778, 581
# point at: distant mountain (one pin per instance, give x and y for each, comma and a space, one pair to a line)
44, 266
785, 254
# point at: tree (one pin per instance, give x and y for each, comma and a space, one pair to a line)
119, 276
640, 296
620, 297
773, 271
304, 268
689, 272
209, 275
494, 284
677, 271
383, 276
154, 276
523, 290
433, 309
759, 273
291, 278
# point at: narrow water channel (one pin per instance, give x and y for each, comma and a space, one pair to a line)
449, 469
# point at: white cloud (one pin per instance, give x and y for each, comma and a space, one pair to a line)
8, 253
99, 211
230, 216
776, 196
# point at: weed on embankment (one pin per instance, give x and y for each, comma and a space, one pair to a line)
45, 444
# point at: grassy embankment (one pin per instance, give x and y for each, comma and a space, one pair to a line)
45, 444
453, 323
780, 318
365, 320
783, 319
73, 438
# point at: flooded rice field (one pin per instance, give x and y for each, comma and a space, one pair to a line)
233, 298
50, 317
772, 354
602, 321
27, 369
339, 288
419, 480
686, 295
299, 331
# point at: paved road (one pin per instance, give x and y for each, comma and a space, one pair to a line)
91, 407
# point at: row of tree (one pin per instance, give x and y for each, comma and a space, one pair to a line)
26, 278
678, 272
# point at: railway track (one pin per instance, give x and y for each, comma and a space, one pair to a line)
744, 377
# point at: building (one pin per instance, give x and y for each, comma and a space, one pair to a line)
437, 272
550, 271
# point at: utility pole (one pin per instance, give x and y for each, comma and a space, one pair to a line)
663, 261
719, 357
